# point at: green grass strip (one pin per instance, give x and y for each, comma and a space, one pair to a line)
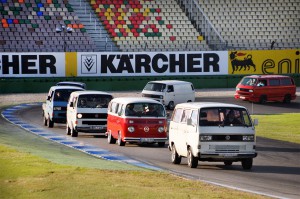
284, 127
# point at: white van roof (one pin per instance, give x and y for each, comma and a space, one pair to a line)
172, 82
91, 92
129, 100
65, 87
197, 105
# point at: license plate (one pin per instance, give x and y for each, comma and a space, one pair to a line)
242, 97
97, 127
147, 140
228, 154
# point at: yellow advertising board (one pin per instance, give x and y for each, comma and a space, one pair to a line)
71, 64
246, 62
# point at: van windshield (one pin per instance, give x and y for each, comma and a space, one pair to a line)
224, 117
145, 110
93, 101
63, 94
155, 87
247, 81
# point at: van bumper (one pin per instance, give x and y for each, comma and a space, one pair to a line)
91, 129
144, 140
226, 156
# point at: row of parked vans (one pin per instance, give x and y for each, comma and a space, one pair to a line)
200, 131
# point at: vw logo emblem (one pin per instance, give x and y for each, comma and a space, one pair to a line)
227, 137
146, 128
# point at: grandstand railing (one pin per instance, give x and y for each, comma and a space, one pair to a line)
203, 24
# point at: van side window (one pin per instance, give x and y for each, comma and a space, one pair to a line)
274, 82
286, 82
177, 115
120, 109
194, 117
185, 115
192, 87
170, 88
74, 100
114, 107
262, 82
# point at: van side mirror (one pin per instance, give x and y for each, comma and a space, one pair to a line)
71, 104
49, 97
189, 122
255, 122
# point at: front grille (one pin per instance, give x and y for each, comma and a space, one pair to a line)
244, 89
64, 108
94, 115
61, 114
94, 122
227, 138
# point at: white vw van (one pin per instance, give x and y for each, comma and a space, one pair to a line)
87, 112
207, 131
170, 92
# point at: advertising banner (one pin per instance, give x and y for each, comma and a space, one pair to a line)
106, 64
152, 63
264, 62
32, 64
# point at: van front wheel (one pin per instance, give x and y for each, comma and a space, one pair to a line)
192, 160
74, 133
287, 99
111, 139
120, 142
176, 159
263, 99
227, 163
247, 163
68, 130
171, 105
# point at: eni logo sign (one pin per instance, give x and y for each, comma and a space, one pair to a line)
285, 65
264, 62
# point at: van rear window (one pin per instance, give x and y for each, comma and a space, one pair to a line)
286, 82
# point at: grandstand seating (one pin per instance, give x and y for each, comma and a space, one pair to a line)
148, 25
29, 26
254, 24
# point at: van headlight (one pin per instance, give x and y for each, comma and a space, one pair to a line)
57, 108
237, 89
248, 138
161, 129
131, 129
205, 137
79, 115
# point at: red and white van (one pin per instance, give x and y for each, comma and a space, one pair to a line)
136, 120
263, 88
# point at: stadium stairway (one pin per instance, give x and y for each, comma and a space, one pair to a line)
93, 25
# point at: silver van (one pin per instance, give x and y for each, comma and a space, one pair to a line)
170, 92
